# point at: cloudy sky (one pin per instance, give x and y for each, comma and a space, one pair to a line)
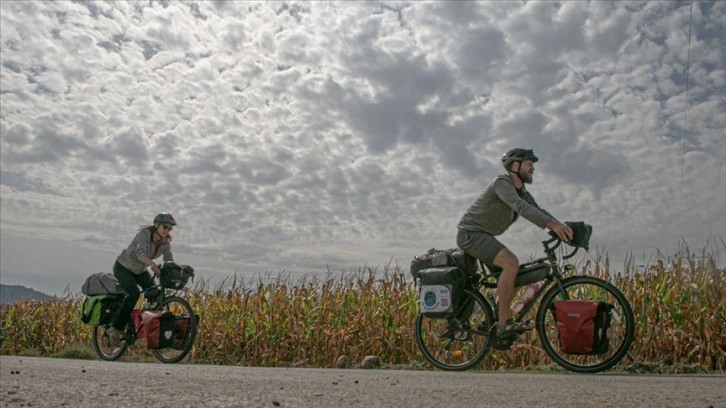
302, 137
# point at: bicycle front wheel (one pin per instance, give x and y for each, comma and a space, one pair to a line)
103, 346
620, 334
452, 344
184, 333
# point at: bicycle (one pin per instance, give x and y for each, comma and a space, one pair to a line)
458, 344
162, 296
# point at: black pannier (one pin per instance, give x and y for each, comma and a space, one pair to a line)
442, 290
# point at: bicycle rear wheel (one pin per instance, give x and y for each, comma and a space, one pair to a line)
103, 346
184, 333
620, 335
453, 345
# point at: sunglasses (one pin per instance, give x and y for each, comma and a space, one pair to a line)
167, 227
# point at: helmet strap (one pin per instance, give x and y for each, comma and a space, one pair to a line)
519, 168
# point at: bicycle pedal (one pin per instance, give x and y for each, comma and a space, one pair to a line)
502, 343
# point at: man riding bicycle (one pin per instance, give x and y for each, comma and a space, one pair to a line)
491, 214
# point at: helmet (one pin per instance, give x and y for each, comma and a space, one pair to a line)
164, 218
518, 155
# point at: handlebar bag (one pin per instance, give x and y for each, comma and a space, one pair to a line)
583, 326
174, 276
581, 233
159, 327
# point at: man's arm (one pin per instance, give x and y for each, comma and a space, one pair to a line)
528, 208
508, 194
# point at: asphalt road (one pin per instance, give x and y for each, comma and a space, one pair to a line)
49, 382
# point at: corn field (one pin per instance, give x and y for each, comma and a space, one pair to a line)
679, 304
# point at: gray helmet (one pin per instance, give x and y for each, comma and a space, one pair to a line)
164, 218
518, 155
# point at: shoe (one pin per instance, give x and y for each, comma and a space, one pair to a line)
512, 328
114, 337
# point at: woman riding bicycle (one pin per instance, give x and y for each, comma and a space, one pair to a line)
150, 242
495, 210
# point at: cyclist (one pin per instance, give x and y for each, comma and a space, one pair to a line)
150, 242
491, 214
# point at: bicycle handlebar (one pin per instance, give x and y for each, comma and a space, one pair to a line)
558, 241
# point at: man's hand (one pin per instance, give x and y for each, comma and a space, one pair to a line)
563, 231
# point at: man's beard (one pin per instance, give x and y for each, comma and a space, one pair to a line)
526, 178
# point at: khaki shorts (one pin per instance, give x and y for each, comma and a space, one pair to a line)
480, 245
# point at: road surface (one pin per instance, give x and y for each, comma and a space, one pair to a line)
50, 382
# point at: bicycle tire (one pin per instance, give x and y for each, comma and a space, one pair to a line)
184, 341
101, 344
621, 331
451, 345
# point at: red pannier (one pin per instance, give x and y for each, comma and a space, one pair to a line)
158, 328
181, 325
583, 326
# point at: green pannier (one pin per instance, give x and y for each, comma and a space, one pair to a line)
99, 309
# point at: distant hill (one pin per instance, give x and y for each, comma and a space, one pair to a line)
13, 293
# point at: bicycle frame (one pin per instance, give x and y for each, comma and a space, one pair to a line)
554, 276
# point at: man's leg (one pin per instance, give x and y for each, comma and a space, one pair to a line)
506, 260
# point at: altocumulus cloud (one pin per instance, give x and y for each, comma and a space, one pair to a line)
302, 136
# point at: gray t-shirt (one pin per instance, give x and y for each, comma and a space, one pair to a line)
498, 207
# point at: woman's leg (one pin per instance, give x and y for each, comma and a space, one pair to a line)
127, 280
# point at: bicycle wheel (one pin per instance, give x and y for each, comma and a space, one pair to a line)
453, 345
185, 330
620, 335
103, 346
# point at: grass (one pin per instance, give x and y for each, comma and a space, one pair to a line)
679, 302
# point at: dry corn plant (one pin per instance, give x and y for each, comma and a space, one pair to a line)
679, 304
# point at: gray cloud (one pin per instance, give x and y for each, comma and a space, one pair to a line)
297, 135
21, 182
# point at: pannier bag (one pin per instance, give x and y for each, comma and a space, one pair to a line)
101, 283
181, 325
99, 309
583, 326
448, 257
174, 276
159, 329
442, 289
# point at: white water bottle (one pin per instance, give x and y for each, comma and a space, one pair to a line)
527, 295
